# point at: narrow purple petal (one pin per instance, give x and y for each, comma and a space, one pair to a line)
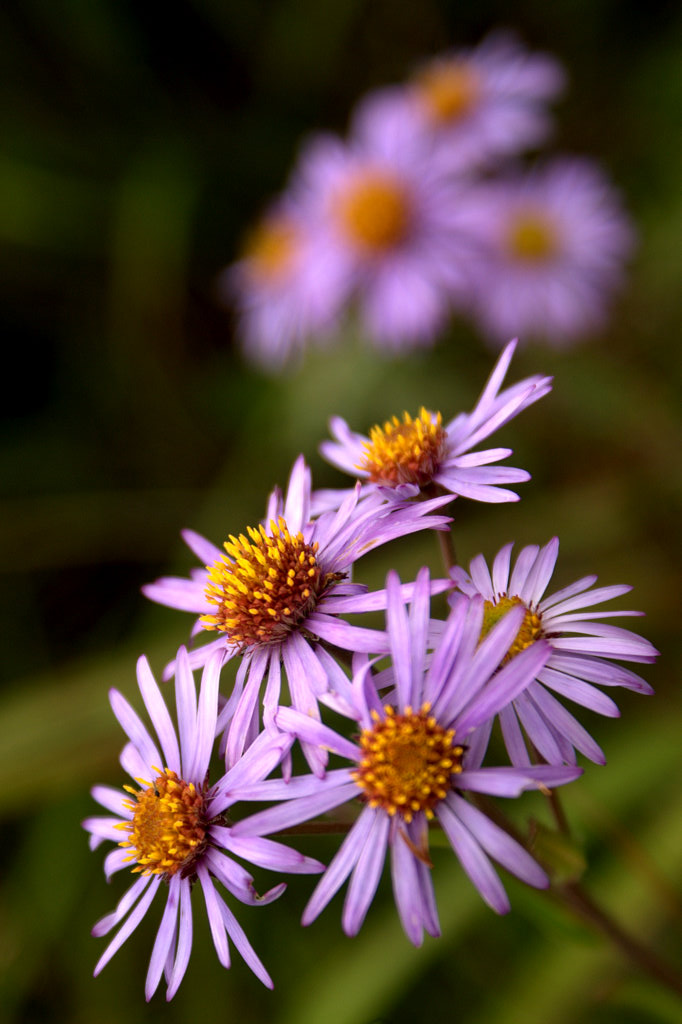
472, 858
243, 946
308, 730
345, 636
207, 714
128, 900
206, 552
164, 938
541, 573
267, 853
161, 719
215, 918
186, 707
129, 926
500, 574
399, 635
407, 889
341, 866
184, 947
497, 844
135, 730
366, 875
293, 812
580, 692
583, 600
523, 565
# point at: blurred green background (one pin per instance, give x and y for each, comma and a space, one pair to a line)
138, 142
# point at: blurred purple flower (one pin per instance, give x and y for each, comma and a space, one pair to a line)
388, 227
173, 831
413, 760
276, 597
576, 661
552, 247
475, 106
282, 302
405, 456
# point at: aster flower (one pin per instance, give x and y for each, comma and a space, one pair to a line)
173, 832
412, 454
279, 290
276, 593
552, 247
413, 761
581, 649
388, 228
475, 106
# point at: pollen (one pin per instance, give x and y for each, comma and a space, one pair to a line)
374, 211
407, 451
168, 830
409, 762
531, 627
271, 248
449, 90
265, 585
531, 238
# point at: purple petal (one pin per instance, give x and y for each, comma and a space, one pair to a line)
472, 858
129, 926
497, 844
243, 946
161, 719
215, 918
164, 937
135, 730
184, 947
366, 875
341, 866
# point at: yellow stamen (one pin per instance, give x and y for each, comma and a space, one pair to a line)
531, 627
408, 762
168, 829
405, 452
265, 586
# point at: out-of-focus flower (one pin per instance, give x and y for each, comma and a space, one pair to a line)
388, 227
552, 247
475, 106
276, 595
405, 456
413, 760
171, 830
280, 291
581, 649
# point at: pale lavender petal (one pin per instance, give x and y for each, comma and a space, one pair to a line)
101, 829
291, 788
129, 925
207, 714
129, 898
308, 730
199, 656
397, 624
366, 875
215, 918
115, 860
375, 600
184, 947
541, 573
112, 799
579, 691
481, 577
264, 754
266, 853
407, 889
523, 565
132, 762
513, 737
175, 592
574, 588
135, 730
497, 844
602, 672
538, 730
345, 636
506, 685
297, 504
164, 938
293, 812
161, 719
236, 736
341, 866
501, 570
186, 707
564, 722
243, 946
473, 859
584, 600
205, 551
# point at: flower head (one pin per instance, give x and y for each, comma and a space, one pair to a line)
388, 227
409, 454
476, 106
279, 290
581, 649
275, 595
552, 247
419, 750
171, 829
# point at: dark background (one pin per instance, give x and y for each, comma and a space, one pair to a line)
137, 143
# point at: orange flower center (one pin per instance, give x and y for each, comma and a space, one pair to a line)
271, 248
168, 830
266, 587
405, 452
408, 762
531, 627
448, 89
373, 211
531, 238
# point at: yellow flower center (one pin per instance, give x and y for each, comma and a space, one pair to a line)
405, 452
266, 587
168, 830
531, 238
373, 211
408, 762
531, 627
448, 89
271, 248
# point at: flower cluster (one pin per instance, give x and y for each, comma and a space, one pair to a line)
419, 697
426, 209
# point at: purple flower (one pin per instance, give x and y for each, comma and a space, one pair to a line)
415, 453
280, 294
388, 226
552, 247
172, 830
414, 759
276, 596
476, 106
580, 650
